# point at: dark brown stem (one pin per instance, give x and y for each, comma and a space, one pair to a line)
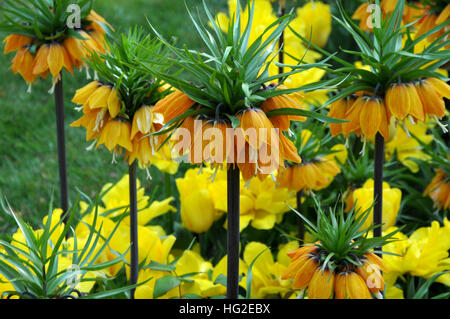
134, 263
233, 235
61, 140
378, 186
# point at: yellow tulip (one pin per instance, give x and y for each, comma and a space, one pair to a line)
117, 198
317, 18
221, 269
197, 211
423, 254
262, 203
192, 262
266, 273
363, 199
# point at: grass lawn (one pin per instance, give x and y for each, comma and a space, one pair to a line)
28, 150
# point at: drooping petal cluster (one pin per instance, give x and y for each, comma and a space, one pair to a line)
347, 282
54, 56
107, 123
257, 146
314, 174
418, 99
439, 190
368, 115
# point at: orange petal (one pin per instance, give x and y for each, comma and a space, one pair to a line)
99, 98
353, 115
26, 69
82, 95
41, 60
114, 103
55, 59
398, 101
416, 106
337, 110
370, 118
67, 60
17, 61
288, 150
432, 103
440, 86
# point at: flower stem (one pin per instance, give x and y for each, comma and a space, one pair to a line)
378, 186
61, 140
134, 263
281, 12
233, 188
168, 193
300, 224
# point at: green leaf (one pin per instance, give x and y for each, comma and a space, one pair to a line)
164, 284
310, 114
159, 267
221, 280
235, 122
113, 292
420, 293
250, 275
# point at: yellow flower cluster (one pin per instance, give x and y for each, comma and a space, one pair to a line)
204, 199
313, 22
424, 253
202, 283
266, 274
153, 242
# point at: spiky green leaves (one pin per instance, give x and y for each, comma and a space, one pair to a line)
233, 72
120, 68
392, 52
45, 20
342, 236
